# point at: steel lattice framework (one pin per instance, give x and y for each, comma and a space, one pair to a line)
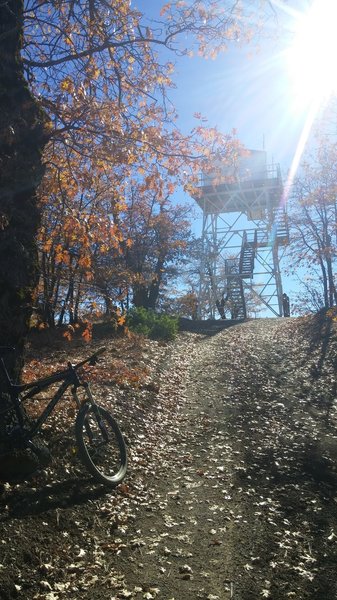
244, 226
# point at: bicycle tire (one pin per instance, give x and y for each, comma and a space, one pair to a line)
101, 444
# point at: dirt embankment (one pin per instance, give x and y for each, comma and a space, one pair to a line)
232, 485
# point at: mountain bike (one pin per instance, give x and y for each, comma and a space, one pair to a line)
100, 443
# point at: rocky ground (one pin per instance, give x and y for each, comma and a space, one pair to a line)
231, 491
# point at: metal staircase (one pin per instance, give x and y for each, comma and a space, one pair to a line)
242, 268
235, 294
281, 228
247, 255
244, 219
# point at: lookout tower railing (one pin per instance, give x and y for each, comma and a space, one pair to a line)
230, 198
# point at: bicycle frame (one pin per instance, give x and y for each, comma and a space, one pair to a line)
69, 378
99, 441
51, 405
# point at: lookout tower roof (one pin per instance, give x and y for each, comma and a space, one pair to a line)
251, 187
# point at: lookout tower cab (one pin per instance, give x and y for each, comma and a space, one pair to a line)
244, 228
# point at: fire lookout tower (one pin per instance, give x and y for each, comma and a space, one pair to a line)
244, 227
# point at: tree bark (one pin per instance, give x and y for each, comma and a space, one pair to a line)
140, 296
22, 139
155, 284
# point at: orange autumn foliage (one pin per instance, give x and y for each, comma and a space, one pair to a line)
101, 77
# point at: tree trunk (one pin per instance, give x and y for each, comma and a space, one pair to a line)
155, 285
77, 300
140, 296
332, 288
22, 138
324, 283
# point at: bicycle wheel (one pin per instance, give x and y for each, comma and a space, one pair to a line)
101, 445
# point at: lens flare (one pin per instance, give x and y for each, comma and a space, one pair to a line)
311, 58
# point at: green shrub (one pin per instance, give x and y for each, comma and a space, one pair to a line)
152, 325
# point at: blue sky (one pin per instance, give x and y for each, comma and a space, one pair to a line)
246, 88
245, 93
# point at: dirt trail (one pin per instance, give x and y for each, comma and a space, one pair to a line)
231, 491
245, 509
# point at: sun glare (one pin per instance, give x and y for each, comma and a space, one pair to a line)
311, 62
312, 56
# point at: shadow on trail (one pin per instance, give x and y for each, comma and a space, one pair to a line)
208, 327
319, 332
322, 337
29, 501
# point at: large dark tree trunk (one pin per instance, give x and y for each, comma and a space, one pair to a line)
146, 296
22, 138
140, 296
155, 284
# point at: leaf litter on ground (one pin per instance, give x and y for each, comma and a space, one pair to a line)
231, 474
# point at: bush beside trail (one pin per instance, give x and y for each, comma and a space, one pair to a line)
151, 324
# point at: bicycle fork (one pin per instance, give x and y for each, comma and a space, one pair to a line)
90, 400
